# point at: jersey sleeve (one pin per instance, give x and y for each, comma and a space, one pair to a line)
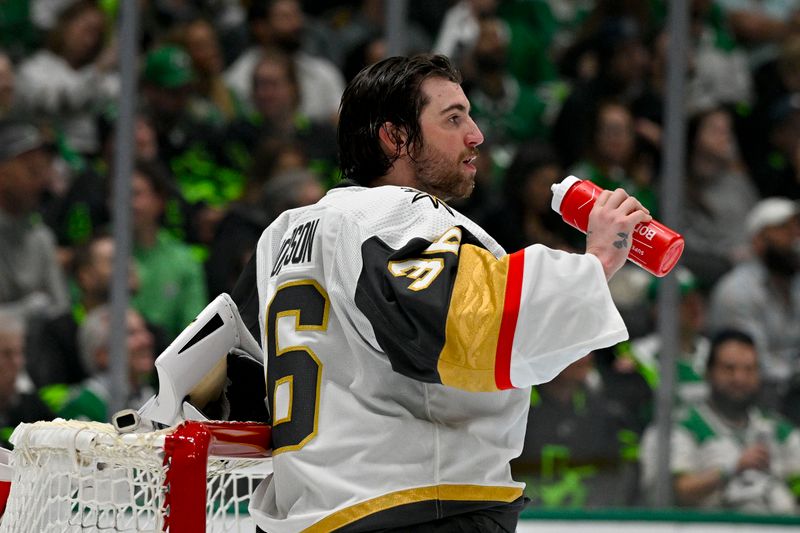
446, 310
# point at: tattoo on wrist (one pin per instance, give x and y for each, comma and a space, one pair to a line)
623, 240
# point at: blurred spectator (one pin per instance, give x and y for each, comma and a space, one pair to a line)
278, 180
365, 22
531, 29
642, 15
507, 111
172, 290
759, 25
579, 450
199, 38
568, 19
281, 25
18, 35
584, 59
89, 399
276, 93
188, 142
31, 281
780, 76
89, 193
145, 139
82, 210
524, 215
611, 158
719, 73
717, 193
277, 104
773, 82
318, 37
65, 85
167, 80
75, 214
161, 16
459, 29
230, 21
726, 454
17, 403
7, 81
624, 380
762, 296
158, 18
643, 354
371, 50
777, 171
714, 78
44, 13
53, 354
272, 155
620, 64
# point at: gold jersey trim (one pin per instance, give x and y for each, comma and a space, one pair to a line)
467, 360
465, 493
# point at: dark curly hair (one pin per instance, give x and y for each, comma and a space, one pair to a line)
387, 91
723, 336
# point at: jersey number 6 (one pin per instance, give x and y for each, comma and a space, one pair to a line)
294, 372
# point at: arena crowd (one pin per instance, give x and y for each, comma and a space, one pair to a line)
236, 123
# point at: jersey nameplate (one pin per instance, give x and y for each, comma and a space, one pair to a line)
298, 247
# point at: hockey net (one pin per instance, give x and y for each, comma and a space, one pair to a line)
86, 477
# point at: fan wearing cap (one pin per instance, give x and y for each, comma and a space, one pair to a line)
166, 82
31, 282
187, 128
762, 296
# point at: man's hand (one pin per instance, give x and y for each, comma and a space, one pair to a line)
610, 229
755, 457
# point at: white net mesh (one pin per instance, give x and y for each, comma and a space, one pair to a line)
84, 477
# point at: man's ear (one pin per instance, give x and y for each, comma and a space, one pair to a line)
393, 138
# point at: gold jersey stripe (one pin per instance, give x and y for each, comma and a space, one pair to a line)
467, 360
466, 493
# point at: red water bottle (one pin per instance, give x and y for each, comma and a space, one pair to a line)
654, 247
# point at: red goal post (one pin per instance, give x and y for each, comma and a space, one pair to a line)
85, 476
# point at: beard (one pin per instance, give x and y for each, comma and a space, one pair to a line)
781, 262
732, 407
289, 44
442, 177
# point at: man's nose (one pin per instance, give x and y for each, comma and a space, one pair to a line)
474, 137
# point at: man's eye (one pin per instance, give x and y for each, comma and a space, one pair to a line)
455, 119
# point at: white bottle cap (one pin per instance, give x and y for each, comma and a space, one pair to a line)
559, 190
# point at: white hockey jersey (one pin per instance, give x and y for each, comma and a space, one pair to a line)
400, 341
